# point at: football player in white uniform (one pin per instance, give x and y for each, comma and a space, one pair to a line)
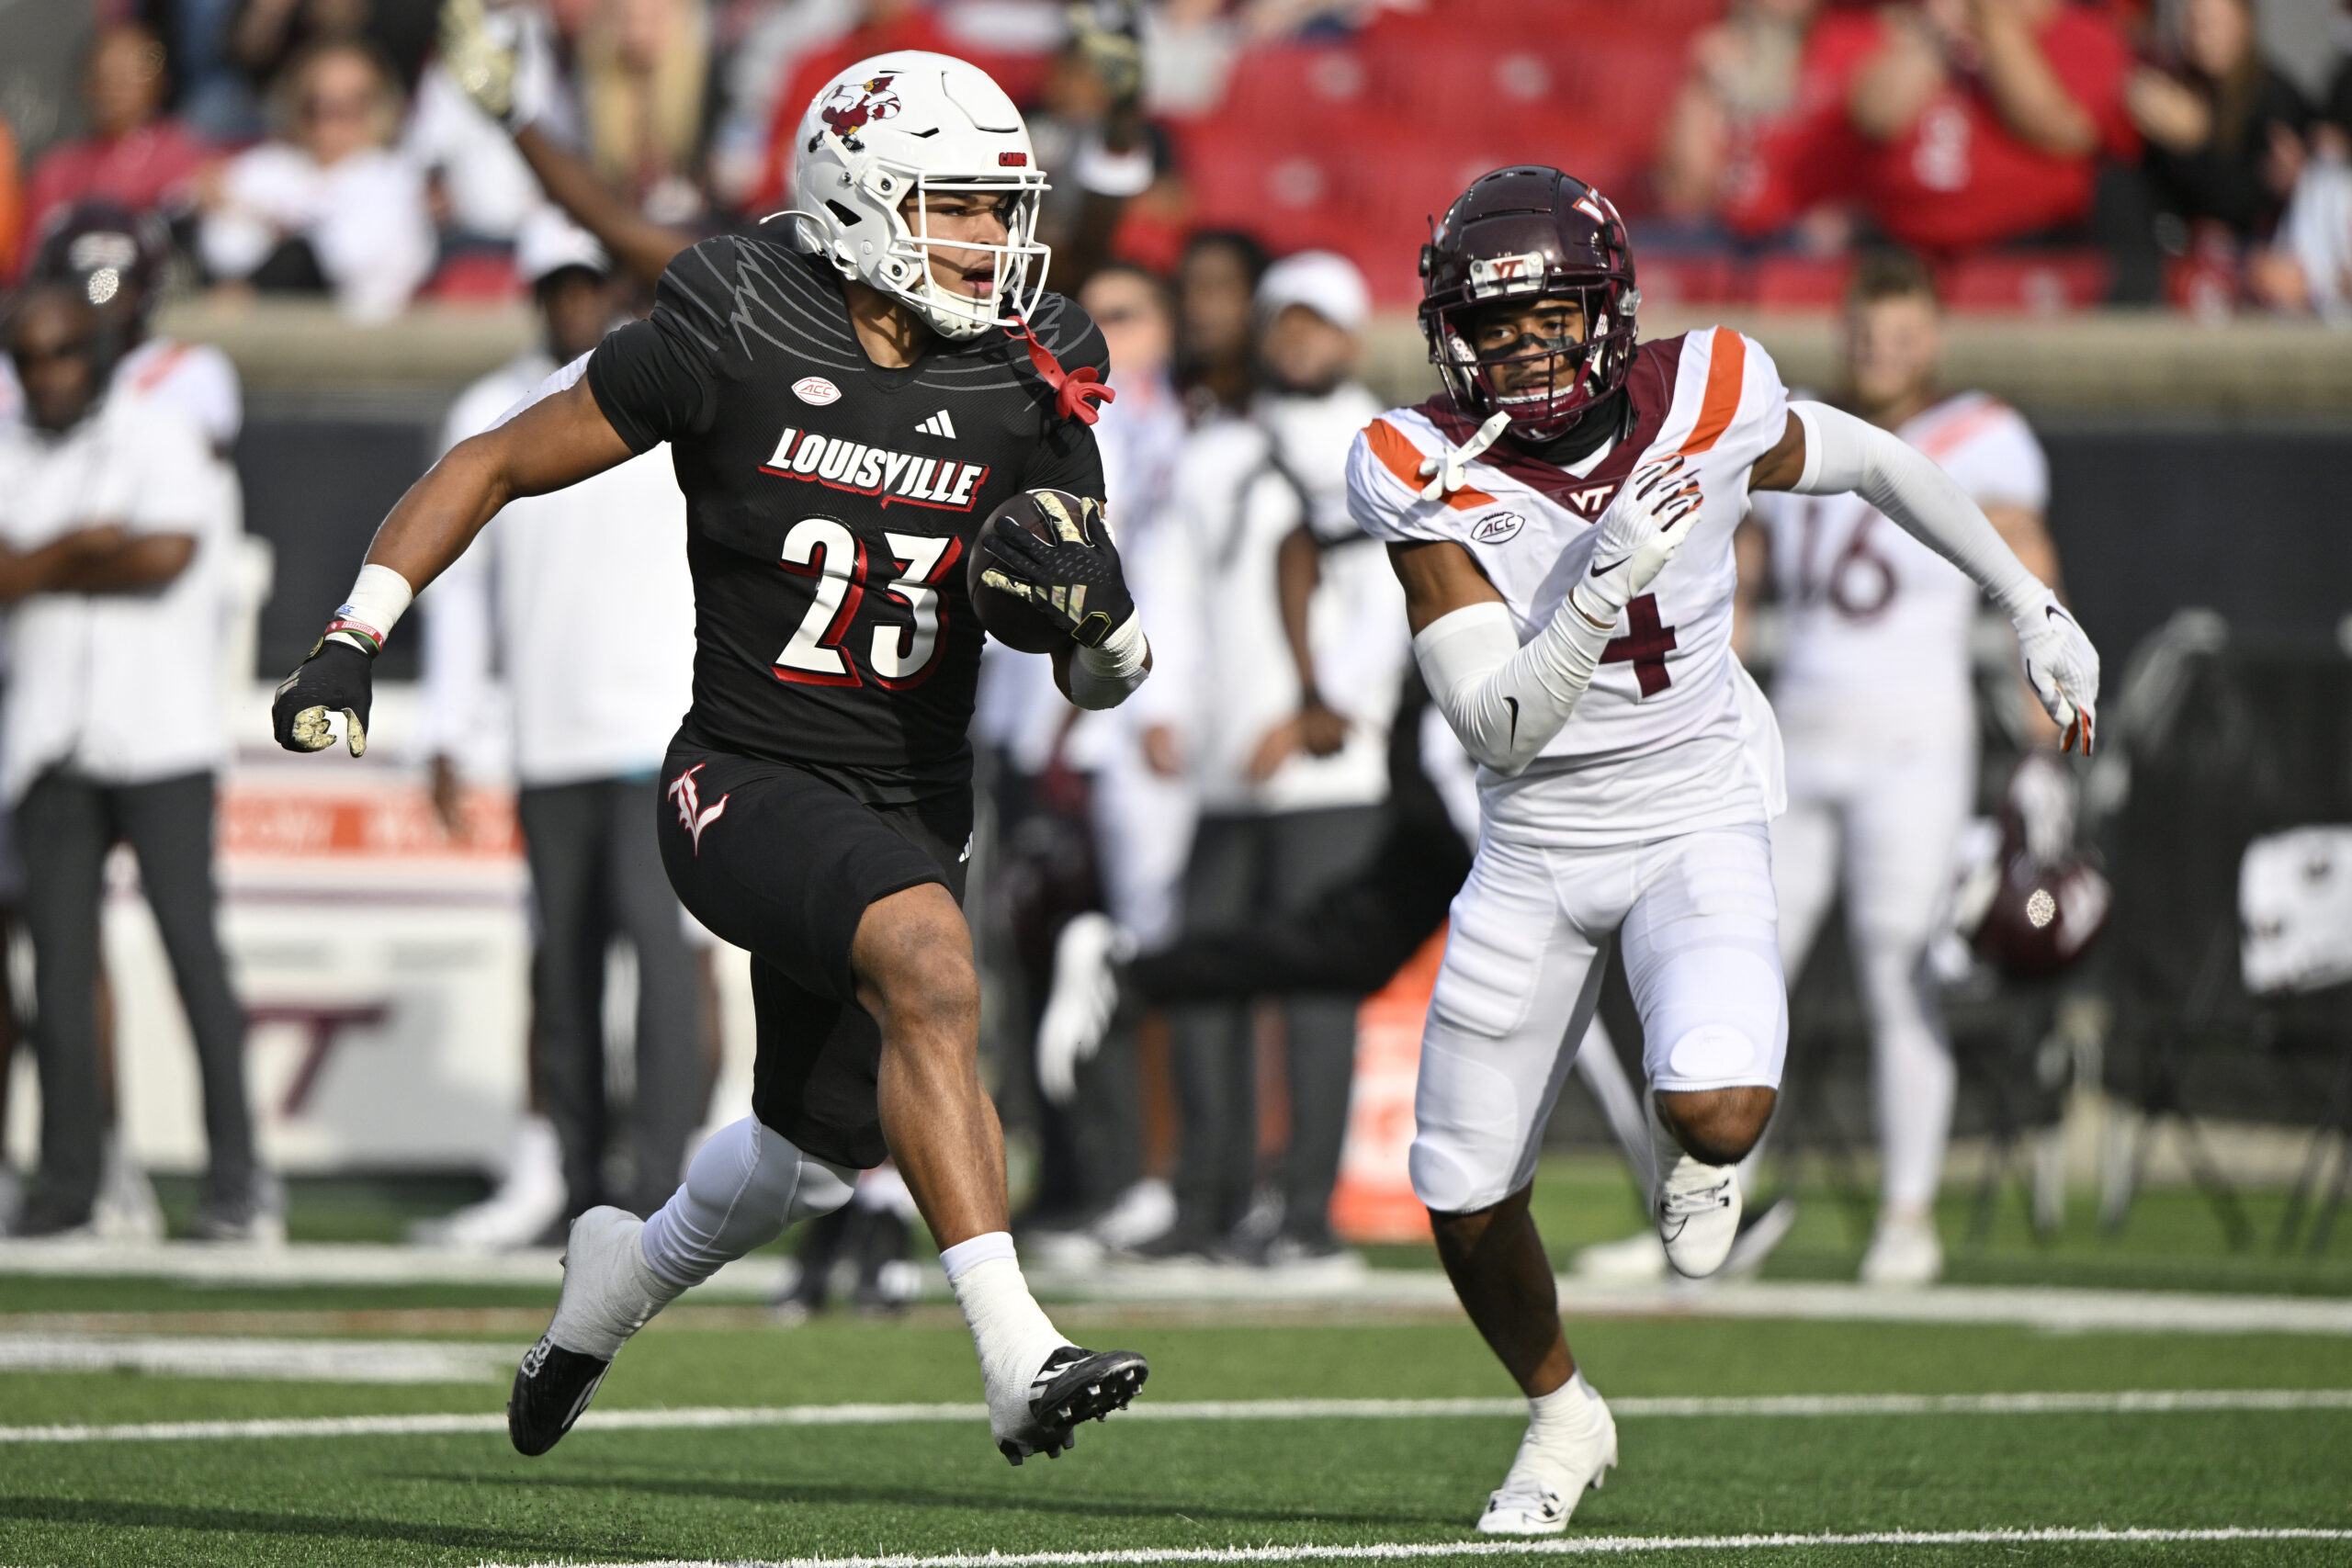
1561, 518
1878, 716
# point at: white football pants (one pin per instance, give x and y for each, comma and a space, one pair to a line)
1523, 961
1890, 821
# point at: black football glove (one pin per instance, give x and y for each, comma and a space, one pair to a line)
1075, 581
335, 678
1109, 33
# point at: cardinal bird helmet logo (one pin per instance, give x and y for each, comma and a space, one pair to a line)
854, 106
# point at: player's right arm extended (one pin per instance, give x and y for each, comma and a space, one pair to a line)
1507, 700
557, 441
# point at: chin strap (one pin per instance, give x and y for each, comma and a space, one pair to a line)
1076, 392
1451, 466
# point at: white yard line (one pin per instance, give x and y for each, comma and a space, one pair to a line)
312, 1361
1565, 1546
1406, 1290
2143, 1402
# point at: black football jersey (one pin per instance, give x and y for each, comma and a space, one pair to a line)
831, 505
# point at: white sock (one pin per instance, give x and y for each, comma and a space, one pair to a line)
1009, 1330
609, 1292
1558, 1425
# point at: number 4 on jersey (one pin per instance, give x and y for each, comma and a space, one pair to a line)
901, 656
1647, 644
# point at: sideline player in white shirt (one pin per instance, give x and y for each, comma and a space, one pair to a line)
1568, 572
1878, 716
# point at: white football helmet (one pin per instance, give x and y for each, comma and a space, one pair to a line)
917, 123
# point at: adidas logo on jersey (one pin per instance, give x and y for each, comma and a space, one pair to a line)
838, 463
938, 424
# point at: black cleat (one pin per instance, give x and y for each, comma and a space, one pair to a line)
552, 1387
1076, 1385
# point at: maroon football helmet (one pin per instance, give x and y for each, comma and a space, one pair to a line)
1523, 233
2050, 901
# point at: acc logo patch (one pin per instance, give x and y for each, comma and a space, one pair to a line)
816, 390
1494, 528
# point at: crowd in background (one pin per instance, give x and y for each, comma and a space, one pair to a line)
321, 147
2132, 151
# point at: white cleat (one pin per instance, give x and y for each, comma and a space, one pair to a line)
527, 1205
1698, 1217
1544, 1485
1905, 1254
609, 1292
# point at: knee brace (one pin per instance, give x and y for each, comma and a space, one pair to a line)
744, 1188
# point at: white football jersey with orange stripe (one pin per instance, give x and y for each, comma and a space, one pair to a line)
1878, 623
1672, 736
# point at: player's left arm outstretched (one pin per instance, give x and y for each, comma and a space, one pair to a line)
1825, 451
558, 441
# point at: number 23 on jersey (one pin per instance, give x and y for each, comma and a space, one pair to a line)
824, 550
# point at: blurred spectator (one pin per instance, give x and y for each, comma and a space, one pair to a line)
1297, 644
1216, 340
538, 596
480, 187
113, 547
1091, 137
133, 155
882, 26
1985, 119
328, 206
113, 258
1142, 801
267, 36
1189, 48
213, 97
641, 69
2225, 134
1741, 91
1139, 806
760, 45
2309, 268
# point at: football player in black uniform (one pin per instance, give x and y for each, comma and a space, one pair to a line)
845, 403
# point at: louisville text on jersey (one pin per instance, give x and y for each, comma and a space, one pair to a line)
839, 463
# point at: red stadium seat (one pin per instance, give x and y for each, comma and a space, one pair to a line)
475, 278
1285, 91
1800, 283
1288, 193
1684, 280
2041, 283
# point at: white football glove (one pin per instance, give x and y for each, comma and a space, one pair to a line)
2062, 667
1638, 535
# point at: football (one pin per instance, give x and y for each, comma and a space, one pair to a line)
1012, 620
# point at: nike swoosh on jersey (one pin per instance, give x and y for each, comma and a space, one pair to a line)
1512, 704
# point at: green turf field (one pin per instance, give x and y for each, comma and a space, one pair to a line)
1268, 1483
927, 1488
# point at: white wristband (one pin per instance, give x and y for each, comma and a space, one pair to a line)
1102, 676
378, 600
